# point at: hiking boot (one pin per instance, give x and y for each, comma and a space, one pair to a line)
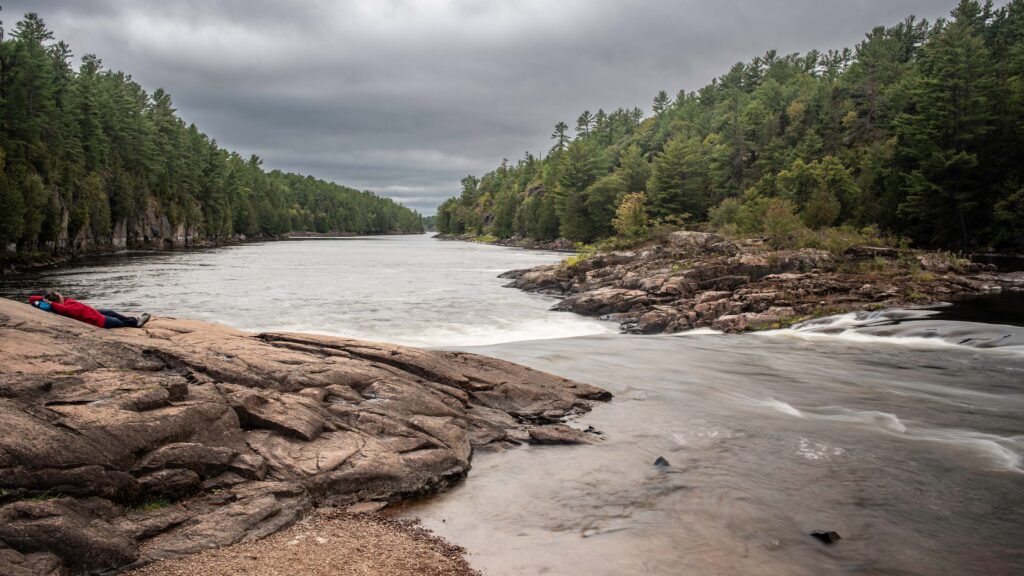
142, 320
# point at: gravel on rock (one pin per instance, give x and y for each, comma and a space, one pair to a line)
328, 542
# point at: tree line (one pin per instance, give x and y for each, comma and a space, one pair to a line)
916, 132
86, 152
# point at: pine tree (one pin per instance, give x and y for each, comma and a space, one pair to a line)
940, 132
678, 185
661, 103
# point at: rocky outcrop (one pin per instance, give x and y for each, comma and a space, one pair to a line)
696, 279
121, 447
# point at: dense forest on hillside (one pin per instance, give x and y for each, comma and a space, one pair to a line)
89, 159
917, 133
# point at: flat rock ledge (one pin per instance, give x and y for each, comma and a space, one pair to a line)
124, 447
697, 279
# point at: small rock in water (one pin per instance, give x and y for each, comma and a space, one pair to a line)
830, 537
661, 461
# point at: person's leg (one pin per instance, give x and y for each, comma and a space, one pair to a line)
115, 322
126, 319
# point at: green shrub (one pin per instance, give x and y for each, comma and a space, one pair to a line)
821, 210
583, 252
631, 216
781, 224
726, 214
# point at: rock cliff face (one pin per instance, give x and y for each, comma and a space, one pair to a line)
697, 279
121, 447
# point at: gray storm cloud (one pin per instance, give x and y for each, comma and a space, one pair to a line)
404, 97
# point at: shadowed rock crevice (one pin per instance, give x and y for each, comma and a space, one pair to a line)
127, 446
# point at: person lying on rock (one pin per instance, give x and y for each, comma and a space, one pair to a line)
58, 304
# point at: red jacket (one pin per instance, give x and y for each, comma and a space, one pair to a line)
75, 309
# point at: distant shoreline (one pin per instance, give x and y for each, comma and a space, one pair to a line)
12, 264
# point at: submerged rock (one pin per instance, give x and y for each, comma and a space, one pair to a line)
829, 537
661, 462
107, 430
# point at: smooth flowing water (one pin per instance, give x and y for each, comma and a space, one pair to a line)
903, 431
410, 290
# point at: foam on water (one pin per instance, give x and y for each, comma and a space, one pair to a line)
871, 418
1003, 452
906, 327
456, 334
814, 450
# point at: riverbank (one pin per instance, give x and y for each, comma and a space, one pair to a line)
696, 279
557, 245
125, 447
11, 262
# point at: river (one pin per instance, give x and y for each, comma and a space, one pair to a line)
903, 431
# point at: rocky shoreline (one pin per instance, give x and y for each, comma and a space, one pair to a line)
557, 245
697, 279
125, 447
12, 262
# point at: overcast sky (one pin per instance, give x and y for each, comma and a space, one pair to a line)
404, 97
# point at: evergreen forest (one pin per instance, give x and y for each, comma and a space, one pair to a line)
89, 159
915, 133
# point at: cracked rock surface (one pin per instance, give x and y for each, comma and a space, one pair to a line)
122, 447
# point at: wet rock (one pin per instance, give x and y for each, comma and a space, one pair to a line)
829, 537
189, 436
559, 434
654, 321
775, 317
661, 462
